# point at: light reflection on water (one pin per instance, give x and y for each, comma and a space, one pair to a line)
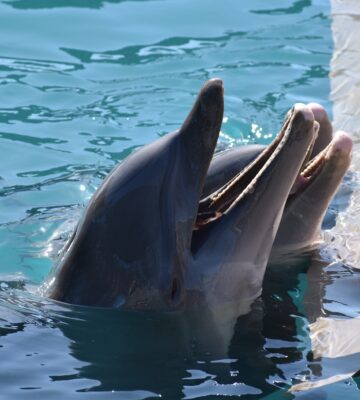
79, 97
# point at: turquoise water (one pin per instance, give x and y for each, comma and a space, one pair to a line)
84, 83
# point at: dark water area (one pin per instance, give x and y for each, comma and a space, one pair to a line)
83, 84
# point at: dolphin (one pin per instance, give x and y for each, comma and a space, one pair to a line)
312, 192
140, 244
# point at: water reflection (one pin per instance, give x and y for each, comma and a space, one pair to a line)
334, 328
169, 354
189, 355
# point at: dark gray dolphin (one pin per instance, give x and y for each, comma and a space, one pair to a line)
131, 247
139, 246
313, 190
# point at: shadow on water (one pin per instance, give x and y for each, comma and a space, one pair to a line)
45, 4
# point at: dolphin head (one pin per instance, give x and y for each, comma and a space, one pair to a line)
131, 246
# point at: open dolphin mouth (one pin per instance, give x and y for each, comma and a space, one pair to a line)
219, 203
337, 151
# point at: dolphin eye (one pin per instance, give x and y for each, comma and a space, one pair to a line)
132, 288
175, 290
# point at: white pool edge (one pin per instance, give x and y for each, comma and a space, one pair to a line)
345, 95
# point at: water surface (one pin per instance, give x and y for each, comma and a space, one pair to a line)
83, 84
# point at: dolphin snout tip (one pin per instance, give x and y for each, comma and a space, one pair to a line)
306, 127
214, 85
216, 82
304, 111
319, 112
338, 155
341, 144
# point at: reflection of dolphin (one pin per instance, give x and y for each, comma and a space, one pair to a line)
115, 355
139, 244
329, 304
312, 191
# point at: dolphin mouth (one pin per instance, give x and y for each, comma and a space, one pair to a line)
219, 203
334, 157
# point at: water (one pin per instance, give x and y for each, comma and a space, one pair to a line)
83, 84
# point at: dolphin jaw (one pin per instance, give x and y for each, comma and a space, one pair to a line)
335, 158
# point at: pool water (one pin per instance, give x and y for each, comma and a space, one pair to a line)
83, 84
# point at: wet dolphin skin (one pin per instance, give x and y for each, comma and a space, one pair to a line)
151, 240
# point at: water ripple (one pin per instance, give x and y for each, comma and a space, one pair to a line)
31, 66
172, 47
38, 114
36, 141
66, 173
